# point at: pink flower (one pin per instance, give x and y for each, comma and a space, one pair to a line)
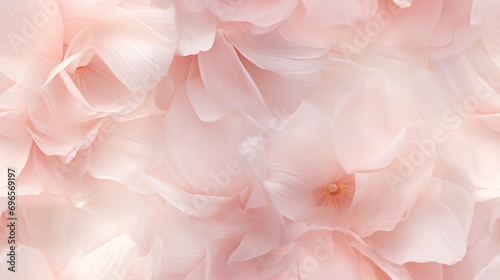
378, 194
244, 62
98, 235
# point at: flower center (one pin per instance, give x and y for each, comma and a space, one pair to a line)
334, 191
80, 68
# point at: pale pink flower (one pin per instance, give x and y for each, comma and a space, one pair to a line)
319, 175
112, 53
109, 233
71, 65
440, 28
243, 61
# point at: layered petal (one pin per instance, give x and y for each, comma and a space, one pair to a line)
373, 118
434, 231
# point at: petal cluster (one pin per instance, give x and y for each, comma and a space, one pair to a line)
250, 139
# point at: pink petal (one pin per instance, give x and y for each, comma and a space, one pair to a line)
258, 12
122, 150
33, 265
111, 260
301, 163
374, 123
196, 29
33, 32
483, 16
285, 73
327, 13
433, 232
226, 80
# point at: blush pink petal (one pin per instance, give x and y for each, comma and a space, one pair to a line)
493, 268
431, 270
197, 27
77, 15
206, 107
469, 81
453, 32
98, 86
16, 142
484, 143
387, 268
284, 73
338, 75
50, 174
374, 119
160, 19
198, 205
262, 238
301, 163
207, 158
330, 253
122, 150
33, 33
446, 31
327, 13
46, 132
300, 27
34, 260
379, 204
5, 85
270, 265
103, 238
483, 244
226, 80
483, 17
259, 12
422, 17
183, 254
112, 259
438, 218
136, 55
107, 73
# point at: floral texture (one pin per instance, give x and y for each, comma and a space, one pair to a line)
250, 139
